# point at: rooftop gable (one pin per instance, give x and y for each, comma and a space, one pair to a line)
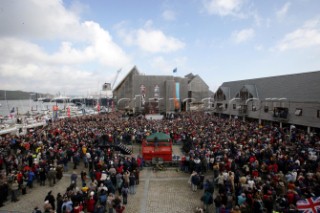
298, 87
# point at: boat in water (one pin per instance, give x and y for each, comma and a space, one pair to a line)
45, 99
21, 125
7, 129
61, 99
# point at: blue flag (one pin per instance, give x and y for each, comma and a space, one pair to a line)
174, 70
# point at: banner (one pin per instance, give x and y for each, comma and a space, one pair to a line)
177, 96
98, 107
156, 92
68, 112
143, 95
309, 205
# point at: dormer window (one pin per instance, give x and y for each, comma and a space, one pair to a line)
298, 112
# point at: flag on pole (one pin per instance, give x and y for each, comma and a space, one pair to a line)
309, 205
174, 70
68, 112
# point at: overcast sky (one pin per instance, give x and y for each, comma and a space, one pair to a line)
74, 46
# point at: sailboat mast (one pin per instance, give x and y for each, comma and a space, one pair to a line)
5, 98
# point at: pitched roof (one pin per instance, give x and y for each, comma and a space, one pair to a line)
133, 71
298, 87
190, 77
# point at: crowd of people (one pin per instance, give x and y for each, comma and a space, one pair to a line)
255, 168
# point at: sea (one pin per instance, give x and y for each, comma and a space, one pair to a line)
25, 106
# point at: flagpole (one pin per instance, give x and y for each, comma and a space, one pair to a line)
174, 89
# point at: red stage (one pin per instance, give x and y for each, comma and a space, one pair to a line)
157, 145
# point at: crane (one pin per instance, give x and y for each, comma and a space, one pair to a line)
115, 78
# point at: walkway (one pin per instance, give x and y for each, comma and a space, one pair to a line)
158, 192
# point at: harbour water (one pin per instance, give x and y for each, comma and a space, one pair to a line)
25, 106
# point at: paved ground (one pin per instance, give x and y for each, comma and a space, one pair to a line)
158, 192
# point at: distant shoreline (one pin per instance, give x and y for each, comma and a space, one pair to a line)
20, 95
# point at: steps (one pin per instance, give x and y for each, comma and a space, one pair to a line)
124, 149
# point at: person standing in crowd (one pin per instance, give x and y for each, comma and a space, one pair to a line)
126, 178
76, 159
195, 181
132, 183
207, 200
110, 202
52, 174
83, 175
47, 207
50, 198
43, 177
218, 203
31, 177
119, 181
137, 175
103, 198
59, 200
67, 205
74, 178
91, 202
124, 193
14, 190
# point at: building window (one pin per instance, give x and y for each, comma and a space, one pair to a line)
298, 112
266, 108
280, 112
318, 113
234, 106
226, 106
254, 108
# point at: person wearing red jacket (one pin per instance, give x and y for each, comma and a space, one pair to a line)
91, 202
120, 208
